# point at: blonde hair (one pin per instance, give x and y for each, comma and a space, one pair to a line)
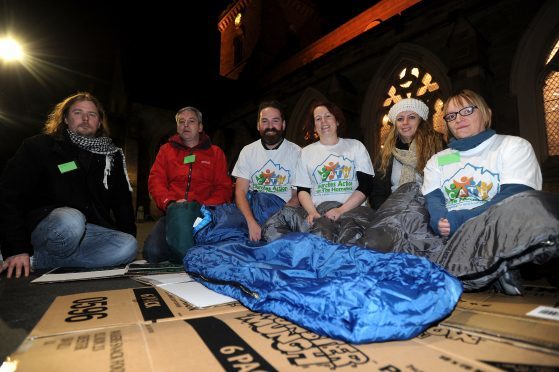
55, 124
427, 143
468, 97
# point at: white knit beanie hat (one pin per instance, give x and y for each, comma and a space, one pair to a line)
408, 104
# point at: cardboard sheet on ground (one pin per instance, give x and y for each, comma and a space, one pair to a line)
64, 274
140, 268
164, 279
529, 320
248, 341
197, 295
97, 310
133, 269
184, 287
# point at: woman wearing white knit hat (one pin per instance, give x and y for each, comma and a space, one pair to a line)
408, 146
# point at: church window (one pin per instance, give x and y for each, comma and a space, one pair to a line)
413, 82
238, 20
551, 101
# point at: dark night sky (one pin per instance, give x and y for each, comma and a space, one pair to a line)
168, 49
168, 52
171, 50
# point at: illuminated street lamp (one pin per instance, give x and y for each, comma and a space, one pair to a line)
10, 50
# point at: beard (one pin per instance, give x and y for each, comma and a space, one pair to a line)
272, 136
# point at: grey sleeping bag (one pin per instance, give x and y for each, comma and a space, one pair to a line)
522, 228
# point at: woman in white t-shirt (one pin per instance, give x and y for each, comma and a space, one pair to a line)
333, 168
333, 178
479, 169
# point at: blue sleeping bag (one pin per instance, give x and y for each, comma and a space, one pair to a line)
345, 292
226, 222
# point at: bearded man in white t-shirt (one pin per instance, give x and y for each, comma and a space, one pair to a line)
266, 165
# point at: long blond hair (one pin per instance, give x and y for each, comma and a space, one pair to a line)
427, 143
55, 124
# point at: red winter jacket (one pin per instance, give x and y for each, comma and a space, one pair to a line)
204, 180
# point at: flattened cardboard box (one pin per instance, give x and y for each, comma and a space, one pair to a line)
94, 310
504, 317
109, 349
488, 351
242, 341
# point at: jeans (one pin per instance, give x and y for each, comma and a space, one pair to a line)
156, 249
65, 239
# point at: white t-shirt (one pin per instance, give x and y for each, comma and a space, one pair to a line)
470, 178
270, 171
331, 171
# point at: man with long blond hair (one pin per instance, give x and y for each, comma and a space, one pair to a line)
65, 196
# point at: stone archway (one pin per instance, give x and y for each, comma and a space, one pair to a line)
402, 54
298, 118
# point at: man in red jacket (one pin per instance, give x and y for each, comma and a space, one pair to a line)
188, 168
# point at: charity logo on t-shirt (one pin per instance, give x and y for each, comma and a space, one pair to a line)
334, 175
470, 187
271, 178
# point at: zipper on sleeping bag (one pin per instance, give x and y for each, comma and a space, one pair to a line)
226, 282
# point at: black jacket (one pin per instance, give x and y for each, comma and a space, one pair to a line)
32, 185
382, 185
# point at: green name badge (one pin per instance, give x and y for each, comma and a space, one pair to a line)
448, 159
189, 159
67, 167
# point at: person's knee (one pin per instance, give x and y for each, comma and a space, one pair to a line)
65, 214
66, 223
60, 233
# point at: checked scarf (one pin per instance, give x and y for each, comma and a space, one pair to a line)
102, 146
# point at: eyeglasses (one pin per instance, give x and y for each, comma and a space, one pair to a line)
466, 111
